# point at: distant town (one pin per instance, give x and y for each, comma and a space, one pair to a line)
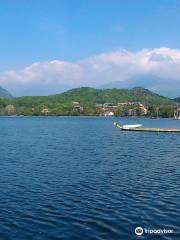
111, 109
106, 109
93, 102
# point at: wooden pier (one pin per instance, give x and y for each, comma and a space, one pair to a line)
143, 129
146, 129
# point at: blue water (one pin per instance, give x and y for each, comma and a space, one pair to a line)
82, 178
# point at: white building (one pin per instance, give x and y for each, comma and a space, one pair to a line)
108, 114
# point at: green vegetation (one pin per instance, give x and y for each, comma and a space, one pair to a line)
84, 101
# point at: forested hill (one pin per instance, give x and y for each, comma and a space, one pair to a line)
91, 96
88, 98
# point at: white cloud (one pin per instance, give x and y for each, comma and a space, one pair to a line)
98, 70
44, 72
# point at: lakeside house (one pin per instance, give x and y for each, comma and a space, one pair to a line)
78, 107
109, 114
127, 108
10, 109
143, 109
45, 111
139, 110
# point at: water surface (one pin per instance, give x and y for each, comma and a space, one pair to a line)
81, 178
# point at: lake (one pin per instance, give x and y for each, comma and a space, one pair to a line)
81, 178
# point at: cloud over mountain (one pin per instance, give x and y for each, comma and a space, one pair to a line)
120, 66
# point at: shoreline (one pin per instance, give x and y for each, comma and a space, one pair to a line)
84, 116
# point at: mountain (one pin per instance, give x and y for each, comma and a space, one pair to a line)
63, 104
91, 96
177, 99
164, 86
4, 93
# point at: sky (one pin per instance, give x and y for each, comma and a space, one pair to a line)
50, 46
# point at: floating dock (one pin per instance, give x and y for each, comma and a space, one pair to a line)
143, 129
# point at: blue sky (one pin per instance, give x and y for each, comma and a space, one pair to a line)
72, 30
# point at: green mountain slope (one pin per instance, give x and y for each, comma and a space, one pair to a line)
91, 96
62, 104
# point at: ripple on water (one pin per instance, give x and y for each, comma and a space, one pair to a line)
80, 178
